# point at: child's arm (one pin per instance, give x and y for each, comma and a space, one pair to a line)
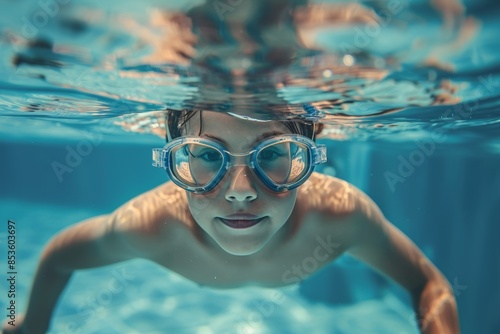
139, 228
91, 243
381, 245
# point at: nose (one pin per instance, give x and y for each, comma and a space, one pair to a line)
241, 187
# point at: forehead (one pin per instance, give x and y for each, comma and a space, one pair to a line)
230, 128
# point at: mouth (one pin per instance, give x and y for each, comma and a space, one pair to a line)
241, 223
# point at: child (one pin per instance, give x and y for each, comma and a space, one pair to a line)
244, 207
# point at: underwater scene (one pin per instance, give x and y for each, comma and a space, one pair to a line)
329, 166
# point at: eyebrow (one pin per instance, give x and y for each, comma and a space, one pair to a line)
259, 138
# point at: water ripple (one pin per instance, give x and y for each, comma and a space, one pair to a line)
363, 73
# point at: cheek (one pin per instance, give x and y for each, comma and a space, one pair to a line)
281, 202
198, 204
206, 204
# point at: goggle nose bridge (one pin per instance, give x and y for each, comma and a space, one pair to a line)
244, 158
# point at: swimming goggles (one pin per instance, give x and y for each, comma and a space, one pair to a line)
197, 164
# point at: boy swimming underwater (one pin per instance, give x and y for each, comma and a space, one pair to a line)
244, 204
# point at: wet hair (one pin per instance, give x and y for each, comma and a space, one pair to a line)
175, 120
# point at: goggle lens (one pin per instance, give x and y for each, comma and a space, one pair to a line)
196, 164
284, 162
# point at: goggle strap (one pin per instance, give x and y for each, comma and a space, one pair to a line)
158, 160
319, 154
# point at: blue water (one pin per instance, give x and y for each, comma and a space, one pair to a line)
87, 74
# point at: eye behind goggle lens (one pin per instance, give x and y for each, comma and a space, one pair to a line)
195, 164
284, 162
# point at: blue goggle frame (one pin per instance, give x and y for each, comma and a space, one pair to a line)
317, 155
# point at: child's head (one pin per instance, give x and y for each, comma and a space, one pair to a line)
240, 189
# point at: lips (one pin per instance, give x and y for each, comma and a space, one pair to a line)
241, 221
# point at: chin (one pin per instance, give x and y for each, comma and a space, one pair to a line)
241, 251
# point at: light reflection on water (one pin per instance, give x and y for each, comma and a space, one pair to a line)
385, 70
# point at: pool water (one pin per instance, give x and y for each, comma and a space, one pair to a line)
411, 107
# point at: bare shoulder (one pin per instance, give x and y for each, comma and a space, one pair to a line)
337, 206
152, 209
150, 216
330, 195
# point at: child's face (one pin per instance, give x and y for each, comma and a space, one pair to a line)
240, 191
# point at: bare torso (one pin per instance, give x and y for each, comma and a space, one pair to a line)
316, 233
